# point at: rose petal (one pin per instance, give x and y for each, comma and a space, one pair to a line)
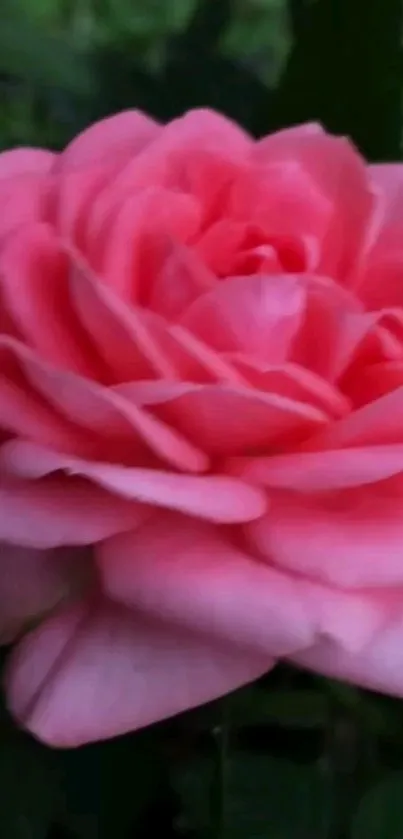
105, 413
126, 338
97, 670
352, 538
376, 423
114, 139
42, 310
382, 253
324, 470
181, 280
24, 196
214, 497
291, 380
32, 582
320, 187
259, 315
130, 241
379, 666
61, 511
25, 413
227, 419
193, 574
25, 160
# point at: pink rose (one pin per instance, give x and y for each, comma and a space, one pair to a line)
201, 427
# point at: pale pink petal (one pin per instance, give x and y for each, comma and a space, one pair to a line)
22, 161
97, 670
259, 315
33, 582
112, 140
378, 666
351, 538
60, 511
215, 497
195, 575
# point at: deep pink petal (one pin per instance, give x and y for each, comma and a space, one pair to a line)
351, 538
97, 670
60, 511
215, 497
375, 381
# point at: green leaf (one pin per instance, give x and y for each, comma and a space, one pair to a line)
380, 814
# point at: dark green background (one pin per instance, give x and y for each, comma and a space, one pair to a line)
296, 756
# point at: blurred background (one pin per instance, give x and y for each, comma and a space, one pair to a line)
64, 63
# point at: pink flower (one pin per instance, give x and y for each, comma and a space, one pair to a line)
201, 418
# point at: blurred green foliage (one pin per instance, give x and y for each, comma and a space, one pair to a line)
66, 62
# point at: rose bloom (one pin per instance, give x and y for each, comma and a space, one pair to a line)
201, 418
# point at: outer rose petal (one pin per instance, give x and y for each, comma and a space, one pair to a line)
33, 582
317, 471
57, 511
215, 497
24, 160
379, 666
193, 574
351, 538
96, 670
111, 140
